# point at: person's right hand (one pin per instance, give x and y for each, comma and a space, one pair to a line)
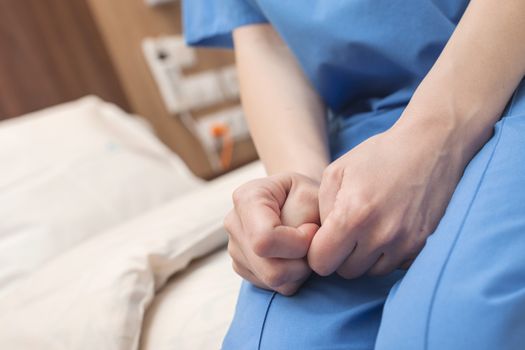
270, 229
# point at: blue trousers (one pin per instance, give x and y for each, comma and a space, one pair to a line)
465, 290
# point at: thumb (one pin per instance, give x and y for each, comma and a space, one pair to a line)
309, 230
328, 190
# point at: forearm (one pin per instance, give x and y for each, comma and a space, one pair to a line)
467, 89
285, 115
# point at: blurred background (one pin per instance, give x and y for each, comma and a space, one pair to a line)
130, 53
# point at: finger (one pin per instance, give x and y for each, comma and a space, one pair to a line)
409, 259
309, 230
278, 242
271, 272
276, 272
229, 221
234, 247
234, 228
248, 275
285, 276
302, 203
241, 266
371, 270
236, 253
330, 184
289, 289
298, 277
414, 249
283, 242
406, 264
269, 239
286, 289
386, 264
259, 209
332, 243
404, 256
359, 261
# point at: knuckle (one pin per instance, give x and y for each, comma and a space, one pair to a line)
406, 264
362, 209
287, 290
231, 249
251, 191
238, 195
274, 278
374, 272
332, 173
245, 190
388, 239
228, 221
348, 272
382, 270
393, 236
339, 216
236, 268
262, 245
415, 247
354, 214
322, 270
320, 267
287, 174
305, 195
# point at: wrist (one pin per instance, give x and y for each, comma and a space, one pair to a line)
448, 119
311, 168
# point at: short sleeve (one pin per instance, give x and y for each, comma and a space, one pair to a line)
211, 22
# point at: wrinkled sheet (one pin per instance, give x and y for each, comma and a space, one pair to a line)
97, 216
95, 295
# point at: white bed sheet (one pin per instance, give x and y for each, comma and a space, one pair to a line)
194, 309
98, 215
95, 295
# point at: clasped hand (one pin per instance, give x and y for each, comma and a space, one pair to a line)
370, 214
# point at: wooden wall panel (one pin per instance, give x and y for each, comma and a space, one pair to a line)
51, 52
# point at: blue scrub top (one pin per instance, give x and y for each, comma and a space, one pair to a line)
360, 55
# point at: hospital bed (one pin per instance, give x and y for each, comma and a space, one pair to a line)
107, 241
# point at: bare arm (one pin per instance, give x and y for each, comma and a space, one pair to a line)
474, 77
377, 215
284, 113
274, 218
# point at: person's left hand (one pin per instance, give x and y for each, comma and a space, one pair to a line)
380, 201
270, 229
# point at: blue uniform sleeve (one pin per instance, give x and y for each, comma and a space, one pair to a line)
211, 22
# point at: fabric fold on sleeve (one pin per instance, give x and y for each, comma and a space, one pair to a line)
211, 22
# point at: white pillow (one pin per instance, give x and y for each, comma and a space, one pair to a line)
95, 295
72, 171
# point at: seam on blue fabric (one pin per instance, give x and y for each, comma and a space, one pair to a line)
264, 320
460, 230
